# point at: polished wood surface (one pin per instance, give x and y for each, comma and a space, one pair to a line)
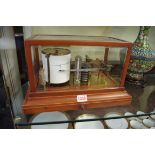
72, 91
106, 55
76, 38
75, 43
125, 67
36, 59
36, 103
31, 73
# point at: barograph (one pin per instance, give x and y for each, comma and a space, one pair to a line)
75, 72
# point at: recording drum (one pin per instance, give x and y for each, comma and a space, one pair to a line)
120, 123
89, 124
56, 65
50, 117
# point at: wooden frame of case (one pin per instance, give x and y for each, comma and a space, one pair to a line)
37, 101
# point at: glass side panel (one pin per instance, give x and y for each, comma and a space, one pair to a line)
74, 37
83, 66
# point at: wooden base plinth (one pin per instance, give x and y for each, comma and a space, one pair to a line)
63, 101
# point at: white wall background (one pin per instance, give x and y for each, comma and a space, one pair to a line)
123, 32
128, 33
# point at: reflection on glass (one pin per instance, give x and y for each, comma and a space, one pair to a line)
87, 68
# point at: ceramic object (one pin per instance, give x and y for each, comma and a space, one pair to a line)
49, 117
56, 65
153, 116
141, 113
142, 57
149, 122
89, 124
129, 114
152, 128
137, 125
132, 118
121, 123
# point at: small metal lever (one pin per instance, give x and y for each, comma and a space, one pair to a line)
89, 69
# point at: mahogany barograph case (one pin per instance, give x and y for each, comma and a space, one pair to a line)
75, 72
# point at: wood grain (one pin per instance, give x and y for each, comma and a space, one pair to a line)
125, 67
106, 55
65, 102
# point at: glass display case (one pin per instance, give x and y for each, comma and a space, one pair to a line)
75, 72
